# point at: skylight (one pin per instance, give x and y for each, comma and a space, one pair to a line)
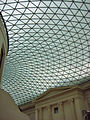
49, 46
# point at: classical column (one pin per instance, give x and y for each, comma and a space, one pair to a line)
78, 108
40, 114
61, 110
49, 112
73, 111
36, 114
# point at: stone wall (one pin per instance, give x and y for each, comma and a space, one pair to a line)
65, 103
3, 45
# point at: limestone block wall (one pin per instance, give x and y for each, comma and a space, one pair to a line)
8, 109
3, 36
86, 91
3, 45
28, 109
65, 103
87, 98
66, 106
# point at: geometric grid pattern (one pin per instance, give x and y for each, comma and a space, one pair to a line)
49, 46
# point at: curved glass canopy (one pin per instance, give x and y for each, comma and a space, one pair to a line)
49, 46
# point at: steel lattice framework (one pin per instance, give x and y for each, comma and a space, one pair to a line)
49, 45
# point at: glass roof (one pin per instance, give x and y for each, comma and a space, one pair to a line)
49, 46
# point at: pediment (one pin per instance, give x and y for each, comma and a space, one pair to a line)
52, 92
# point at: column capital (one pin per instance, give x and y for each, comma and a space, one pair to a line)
61, 103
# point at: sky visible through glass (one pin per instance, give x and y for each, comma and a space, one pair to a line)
49, 46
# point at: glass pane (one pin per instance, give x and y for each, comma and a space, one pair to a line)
49, 46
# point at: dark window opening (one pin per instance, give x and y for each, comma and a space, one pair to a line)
56, 110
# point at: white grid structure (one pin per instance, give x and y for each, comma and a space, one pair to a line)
49, 45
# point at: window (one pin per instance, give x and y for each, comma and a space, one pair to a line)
56, 110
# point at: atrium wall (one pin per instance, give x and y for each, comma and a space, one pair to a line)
3, 45
8, 109
65, 103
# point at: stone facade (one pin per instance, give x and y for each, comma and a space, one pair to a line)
65, 103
